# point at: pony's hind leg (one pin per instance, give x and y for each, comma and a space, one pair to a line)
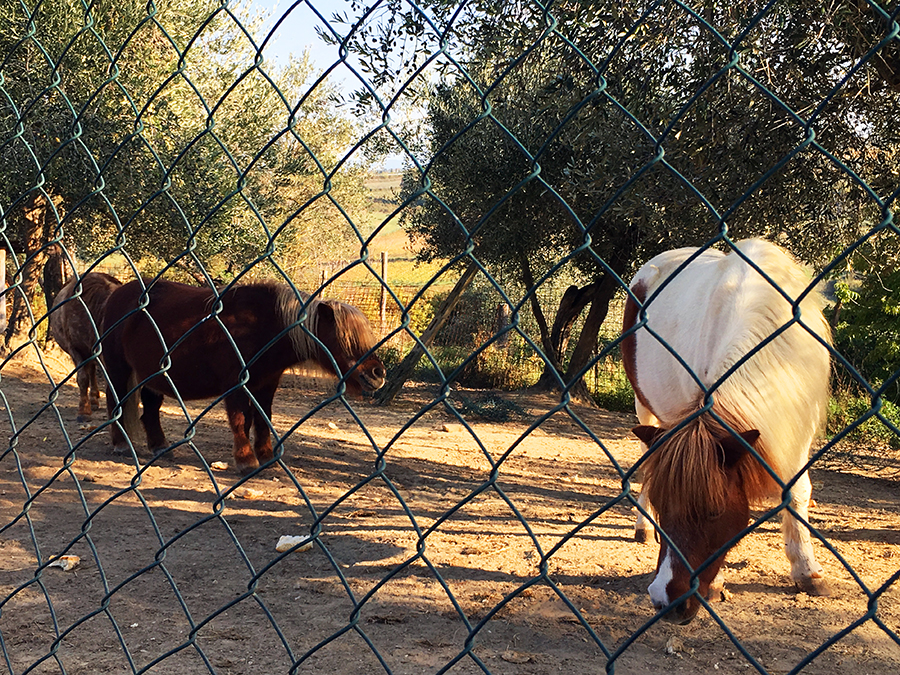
806, 572
119, 384
240, 418
94, 395
152, 401
83, 378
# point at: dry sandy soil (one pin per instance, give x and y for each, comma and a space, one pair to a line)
422, 564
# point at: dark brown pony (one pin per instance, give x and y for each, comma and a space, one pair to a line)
75, 324
193, 343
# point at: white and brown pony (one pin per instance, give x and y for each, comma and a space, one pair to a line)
195, 343
701, 476
75, 324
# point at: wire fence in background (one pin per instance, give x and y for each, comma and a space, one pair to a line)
550, 149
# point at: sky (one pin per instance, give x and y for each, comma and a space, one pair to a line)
298, 30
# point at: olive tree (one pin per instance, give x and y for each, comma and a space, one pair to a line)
583, 138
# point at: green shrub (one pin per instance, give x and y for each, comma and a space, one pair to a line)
391, 356
609, 386
501, 367
868, 328
846, 406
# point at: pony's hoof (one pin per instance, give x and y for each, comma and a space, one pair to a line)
246, 468
265, 458
121, 450
642, 535
168, 454
83, 418
817, 586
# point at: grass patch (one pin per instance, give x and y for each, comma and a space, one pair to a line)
848, 405
609, 386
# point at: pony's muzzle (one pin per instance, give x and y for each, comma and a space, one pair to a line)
682, 614
373, 380
661, 595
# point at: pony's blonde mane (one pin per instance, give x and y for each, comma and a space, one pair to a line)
685, 475
354, 333
287, 305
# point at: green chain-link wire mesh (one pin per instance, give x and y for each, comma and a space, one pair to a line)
133, 142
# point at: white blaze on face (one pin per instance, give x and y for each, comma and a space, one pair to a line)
657, 589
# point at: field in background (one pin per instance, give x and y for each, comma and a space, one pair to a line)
403, 269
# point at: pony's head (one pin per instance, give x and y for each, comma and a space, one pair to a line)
700, 481
347, 334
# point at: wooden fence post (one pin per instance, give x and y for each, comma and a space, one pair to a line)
384, 295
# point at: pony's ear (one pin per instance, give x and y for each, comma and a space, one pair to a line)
647, 433
326, 310
732, 448
326, 319
326, 329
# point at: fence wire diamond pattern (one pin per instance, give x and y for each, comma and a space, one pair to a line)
547, 151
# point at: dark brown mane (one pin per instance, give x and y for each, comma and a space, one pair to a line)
685, 475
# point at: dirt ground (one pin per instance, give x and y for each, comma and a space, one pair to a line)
441, 548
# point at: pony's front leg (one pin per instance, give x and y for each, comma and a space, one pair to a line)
152, 402
642, 527
262, 443
806, 572
239, 418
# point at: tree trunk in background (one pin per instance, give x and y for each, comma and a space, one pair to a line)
573, 302
38, 217
546, 342
587, 341
399, 375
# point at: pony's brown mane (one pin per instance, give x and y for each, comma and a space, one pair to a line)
96, 291
685, 475
288, 307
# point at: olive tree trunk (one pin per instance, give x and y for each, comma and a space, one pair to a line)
399, 375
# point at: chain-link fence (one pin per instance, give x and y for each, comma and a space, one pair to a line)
483, 521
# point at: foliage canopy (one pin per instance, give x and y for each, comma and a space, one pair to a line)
155, 129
